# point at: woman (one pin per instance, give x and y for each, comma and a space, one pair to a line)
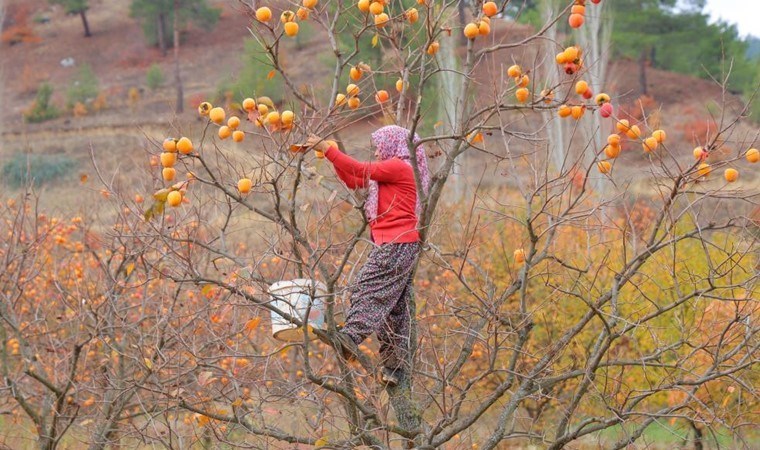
380, 299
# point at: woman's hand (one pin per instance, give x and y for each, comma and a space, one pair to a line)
317, 143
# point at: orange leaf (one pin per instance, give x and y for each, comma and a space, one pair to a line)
252, 324
271, 74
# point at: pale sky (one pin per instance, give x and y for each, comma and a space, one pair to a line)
744, 13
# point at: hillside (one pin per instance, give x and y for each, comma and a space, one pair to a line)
119, 56
120, 59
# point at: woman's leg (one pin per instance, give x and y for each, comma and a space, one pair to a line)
382, 282
394, 334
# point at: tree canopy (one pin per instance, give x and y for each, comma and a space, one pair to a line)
72, 6
156, 17
673, 35
76, 7
677, 36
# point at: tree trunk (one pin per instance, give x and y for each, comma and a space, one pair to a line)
643, 72
161, 31
83, 15
177, 79
44, 442
409, 418
462, 19
697, 436
105, 430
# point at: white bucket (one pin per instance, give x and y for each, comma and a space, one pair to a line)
292, 297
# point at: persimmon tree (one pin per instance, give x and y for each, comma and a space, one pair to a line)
603, 283
81, 327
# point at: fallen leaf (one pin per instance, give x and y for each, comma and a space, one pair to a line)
204, 378
176, 392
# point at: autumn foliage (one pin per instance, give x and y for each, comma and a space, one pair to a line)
596, 278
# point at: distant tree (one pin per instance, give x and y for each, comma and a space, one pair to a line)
177, 7
674, 35
157, 18
76, 7
677, 36
753, 47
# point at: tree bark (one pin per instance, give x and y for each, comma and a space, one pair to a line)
462, 19
409, 418
643, 72
697, 436
161, 31
83, 15
177, 78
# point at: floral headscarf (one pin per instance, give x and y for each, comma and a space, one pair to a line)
391, 141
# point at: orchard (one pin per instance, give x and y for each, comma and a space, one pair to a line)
586, 275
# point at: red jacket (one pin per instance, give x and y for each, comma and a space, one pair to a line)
397, 194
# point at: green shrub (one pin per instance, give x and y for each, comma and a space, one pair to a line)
154, 77
40, 18
306, 33
752, 96
253, 78
41, 109
40, 169
84, 88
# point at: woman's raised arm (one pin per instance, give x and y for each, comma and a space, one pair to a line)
383, 171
